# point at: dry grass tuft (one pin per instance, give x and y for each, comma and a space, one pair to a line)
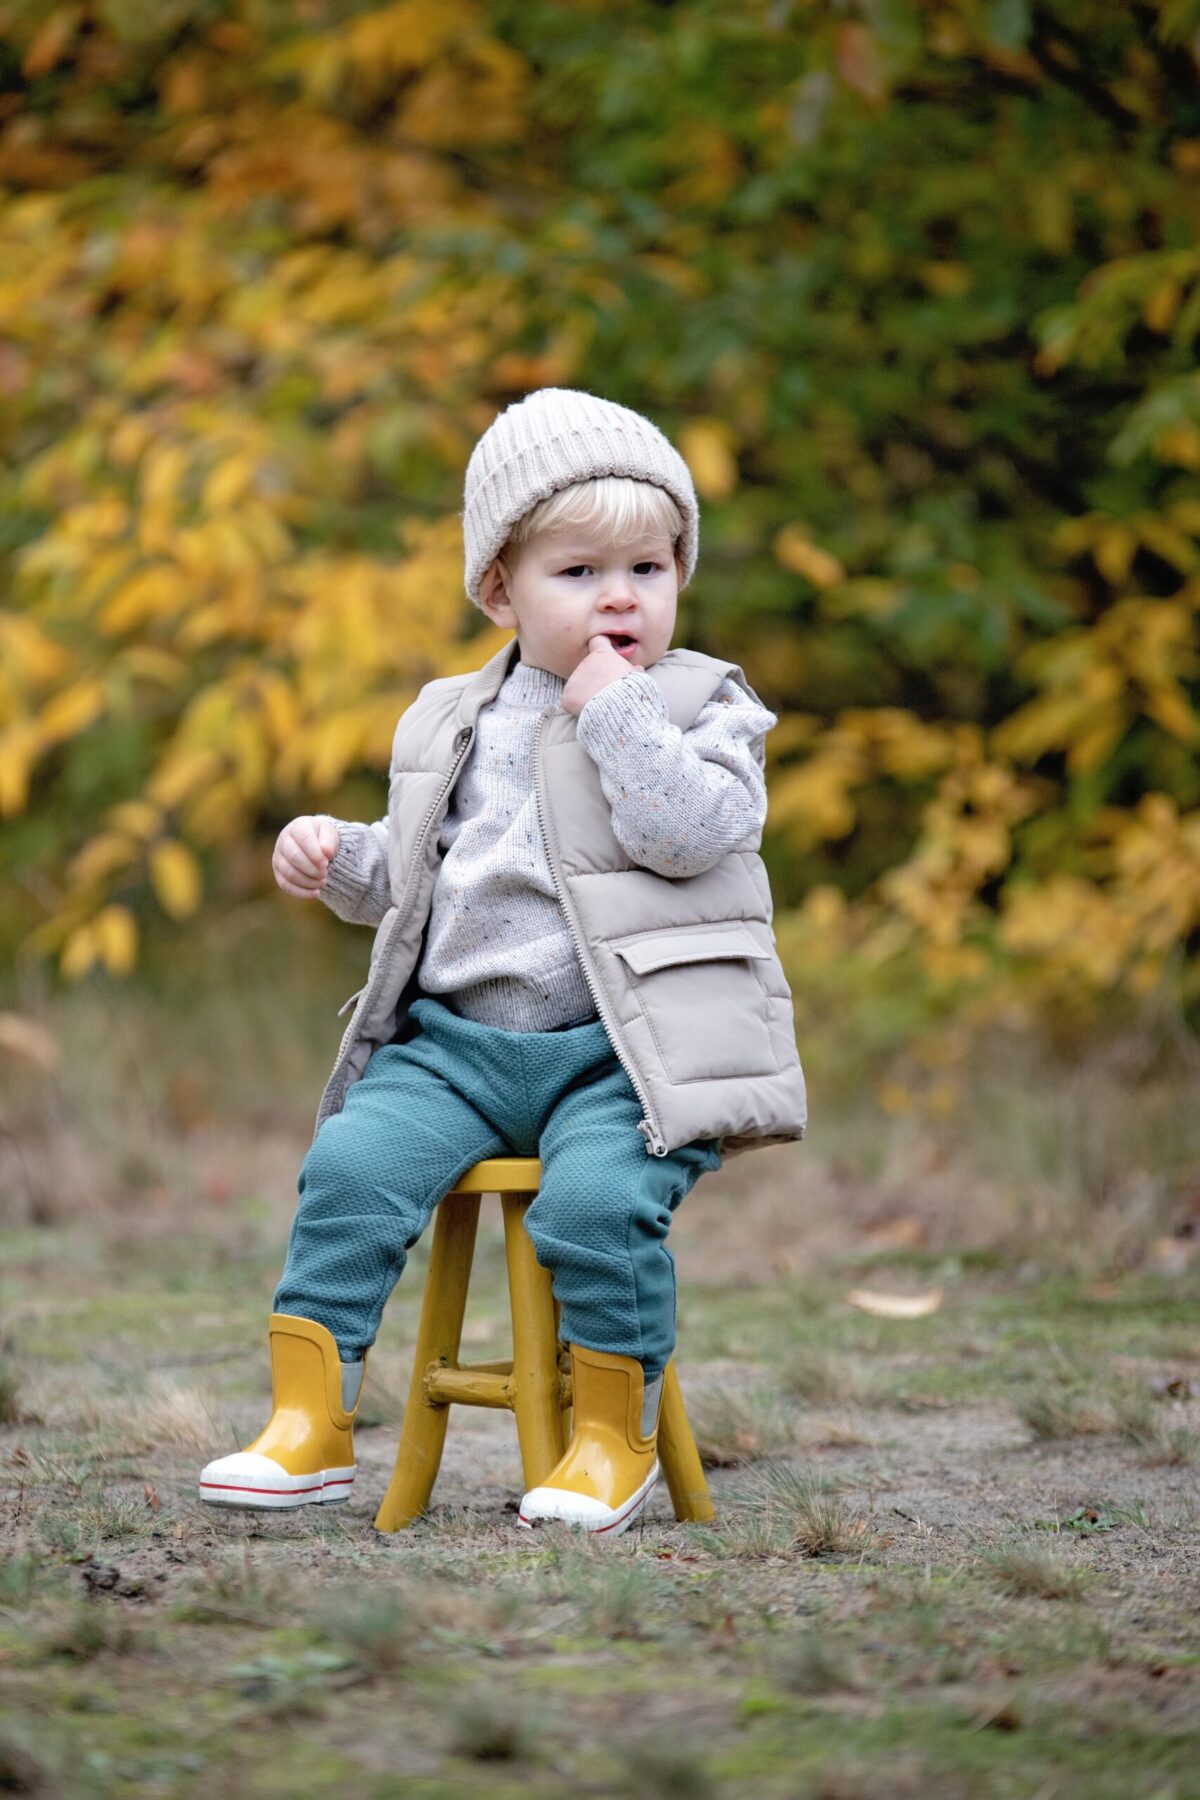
178, 1417
784, 1511
903, 1779
380, 1627
843, 1433
240, 1589
660, 1770
1033, 1571
815, 1663
734, 1426
1164, 1441
1053, 1413
822, 1377
11, 1412
81, 1628
492, 1727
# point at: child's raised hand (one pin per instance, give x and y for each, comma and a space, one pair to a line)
303, 852
600, 666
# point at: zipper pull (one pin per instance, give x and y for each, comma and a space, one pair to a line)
656, 1144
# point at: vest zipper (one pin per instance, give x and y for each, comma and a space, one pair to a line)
461, 741
647, 1125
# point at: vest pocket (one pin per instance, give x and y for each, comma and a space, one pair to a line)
703, 998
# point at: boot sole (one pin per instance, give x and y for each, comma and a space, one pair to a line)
621, 1520
326, 1489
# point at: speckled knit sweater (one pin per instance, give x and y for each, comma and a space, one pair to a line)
498, 948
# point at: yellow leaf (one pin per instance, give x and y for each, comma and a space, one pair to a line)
50, 41
152, 593
227, 483
1167, 707
896, 1306
151, 663
72, 711
217, 815
707, 447
1105, 726
175, 875
19, 748
163, 468
945, 278
182, 773
796, 551
78, 953
100, 857
1178, 443
116, 935
1163, 304
137, 817
1113, 552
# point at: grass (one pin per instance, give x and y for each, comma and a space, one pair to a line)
1023, 1568
1052, 1414
734, 1426
952, 1554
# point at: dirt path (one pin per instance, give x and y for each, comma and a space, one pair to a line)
954, 1554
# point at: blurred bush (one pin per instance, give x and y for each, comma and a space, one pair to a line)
916, 289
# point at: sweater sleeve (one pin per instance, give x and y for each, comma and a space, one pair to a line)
679, 800
357, 886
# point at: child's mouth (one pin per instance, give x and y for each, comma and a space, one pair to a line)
624, 646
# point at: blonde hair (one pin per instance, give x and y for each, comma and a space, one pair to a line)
616, 507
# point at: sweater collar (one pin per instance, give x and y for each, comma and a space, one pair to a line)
529, 687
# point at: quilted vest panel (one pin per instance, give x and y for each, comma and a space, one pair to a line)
684, 971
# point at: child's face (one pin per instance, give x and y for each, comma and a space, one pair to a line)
567, 587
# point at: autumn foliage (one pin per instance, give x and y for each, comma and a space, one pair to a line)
915, 289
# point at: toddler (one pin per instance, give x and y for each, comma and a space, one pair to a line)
573, 959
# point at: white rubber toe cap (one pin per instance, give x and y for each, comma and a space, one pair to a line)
543, 1503
249, 1479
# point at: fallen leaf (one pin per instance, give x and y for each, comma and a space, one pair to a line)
896, 1234
28, 1041
896, 1306
1174, 1387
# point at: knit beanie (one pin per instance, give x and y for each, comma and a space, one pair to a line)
549, 440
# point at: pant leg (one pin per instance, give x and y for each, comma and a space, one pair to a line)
601, 1217
370, 1181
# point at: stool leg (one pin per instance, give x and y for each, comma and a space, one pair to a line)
678, 1455
537, 1398
439, 1335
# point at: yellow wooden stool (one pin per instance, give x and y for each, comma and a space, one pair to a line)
535, 1384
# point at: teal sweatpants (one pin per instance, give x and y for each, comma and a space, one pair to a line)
425, 1110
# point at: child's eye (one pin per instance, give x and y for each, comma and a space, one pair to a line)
579, 568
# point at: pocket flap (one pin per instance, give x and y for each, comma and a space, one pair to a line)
706, 943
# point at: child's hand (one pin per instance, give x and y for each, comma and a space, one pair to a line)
303, 852
600, 666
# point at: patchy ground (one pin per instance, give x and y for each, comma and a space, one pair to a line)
955, 1554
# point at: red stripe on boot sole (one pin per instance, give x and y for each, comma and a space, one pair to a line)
225, 1487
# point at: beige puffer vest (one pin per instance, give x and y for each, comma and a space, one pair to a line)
684, 972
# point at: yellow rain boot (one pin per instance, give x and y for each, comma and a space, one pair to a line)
605, 1480
305, 1454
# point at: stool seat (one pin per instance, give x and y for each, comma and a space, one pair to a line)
534, 1383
